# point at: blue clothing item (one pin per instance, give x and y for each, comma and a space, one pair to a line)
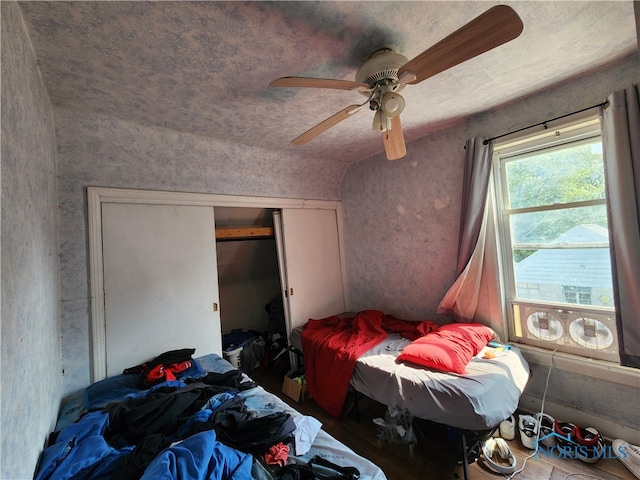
92, 424
112, 389
167, 383
238, 338
200, 457
204, 414
81, 451
198, 417
70, 413
218, 399
51, 457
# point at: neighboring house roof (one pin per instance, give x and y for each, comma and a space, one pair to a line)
584, 234
588, 267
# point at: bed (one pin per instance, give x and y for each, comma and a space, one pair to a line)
473, 401
87, 442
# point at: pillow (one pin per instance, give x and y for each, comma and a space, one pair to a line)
449, 348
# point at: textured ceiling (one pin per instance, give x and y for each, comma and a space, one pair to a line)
204, 67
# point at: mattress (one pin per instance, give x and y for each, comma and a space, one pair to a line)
480, 399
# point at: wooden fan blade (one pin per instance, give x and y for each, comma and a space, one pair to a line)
496, 26
306, 82
393, 140
326, 124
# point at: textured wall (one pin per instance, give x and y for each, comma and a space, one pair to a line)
567, 389
402, 217
401, 226
104, 151
564, 98
31, 381
402, 221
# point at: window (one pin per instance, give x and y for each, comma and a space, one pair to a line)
554, 238
580, 295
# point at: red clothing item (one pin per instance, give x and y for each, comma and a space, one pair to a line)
332, 346
162, 372
277, 454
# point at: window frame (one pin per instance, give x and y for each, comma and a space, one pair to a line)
581, 130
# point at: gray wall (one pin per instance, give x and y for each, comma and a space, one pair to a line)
402, 217
401, 226
31, 375
402, 221
612, 404
248, 279
104, 151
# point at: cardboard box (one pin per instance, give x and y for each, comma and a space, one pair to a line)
295, 387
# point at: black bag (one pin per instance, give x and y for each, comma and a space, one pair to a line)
317, 469
279, 357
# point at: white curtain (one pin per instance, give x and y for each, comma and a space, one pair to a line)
621, 142
461, 301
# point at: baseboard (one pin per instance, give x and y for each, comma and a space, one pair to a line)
608, 428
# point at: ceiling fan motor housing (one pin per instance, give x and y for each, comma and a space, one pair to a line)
381, 68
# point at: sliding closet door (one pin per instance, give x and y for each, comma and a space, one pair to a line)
160, 282
311, 265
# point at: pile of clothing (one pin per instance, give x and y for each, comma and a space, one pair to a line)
193, 425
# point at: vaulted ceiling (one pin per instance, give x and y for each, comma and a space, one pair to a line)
205, 67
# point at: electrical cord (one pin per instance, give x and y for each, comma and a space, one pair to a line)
544, 396
581, 475
535, 451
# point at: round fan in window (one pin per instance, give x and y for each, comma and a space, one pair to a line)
386, 72
544, 326
591, 333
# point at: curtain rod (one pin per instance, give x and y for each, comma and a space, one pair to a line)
602, 104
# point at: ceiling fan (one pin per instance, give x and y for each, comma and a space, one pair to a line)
386, 73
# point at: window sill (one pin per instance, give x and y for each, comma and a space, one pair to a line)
593, 368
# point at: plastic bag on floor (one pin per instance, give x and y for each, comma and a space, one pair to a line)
396, 427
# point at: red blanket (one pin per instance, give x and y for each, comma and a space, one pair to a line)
332, 345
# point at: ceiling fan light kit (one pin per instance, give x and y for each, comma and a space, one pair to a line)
386, 73
381, 123
392, 104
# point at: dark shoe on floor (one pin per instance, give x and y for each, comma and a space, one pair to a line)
591, 444
566, 434
546, 423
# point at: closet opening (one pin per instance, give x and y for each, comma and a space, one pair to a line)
154, 260
251, 309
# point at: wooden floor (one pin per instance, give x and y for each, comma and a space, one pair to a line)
436, 455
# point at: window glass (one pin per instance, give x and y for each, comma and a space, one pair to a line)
565, 174
584, 225
555, 241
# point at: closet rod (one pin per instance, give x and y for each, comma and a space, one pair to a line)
602, 104
244, 233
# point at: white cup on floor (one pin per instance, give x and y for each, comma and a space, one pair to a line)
508, 428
